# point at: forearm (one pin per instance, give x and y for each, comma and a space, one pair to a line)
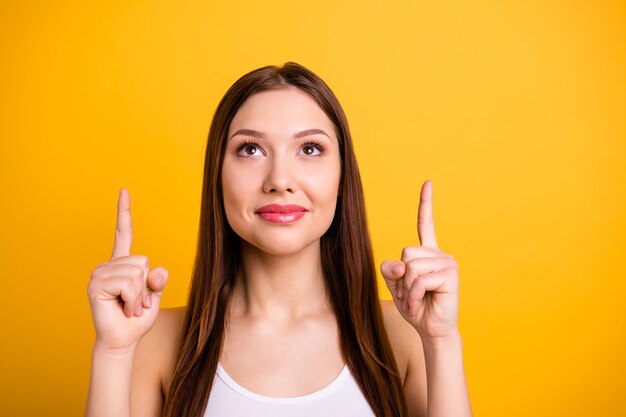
109, 387
447, 388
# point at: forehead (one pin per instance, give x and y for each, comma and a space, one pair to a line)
281, 111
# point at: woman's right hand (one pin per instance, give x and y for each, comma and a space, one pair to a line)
124, 294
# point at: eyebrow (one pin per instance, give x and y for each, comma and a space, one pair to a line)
260, 135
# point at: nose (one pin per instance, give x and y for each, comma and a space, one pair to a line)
279, 178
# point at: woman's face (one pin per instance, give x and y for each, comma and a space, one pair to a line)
281, 171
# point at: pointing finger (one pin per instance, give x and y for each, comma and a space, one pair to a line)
124, 228
425, 221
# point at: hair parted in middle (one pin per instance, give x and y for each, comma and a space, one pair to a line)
346, 256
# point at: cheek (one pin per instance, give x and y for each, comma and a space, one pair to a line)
323, 183
236, 189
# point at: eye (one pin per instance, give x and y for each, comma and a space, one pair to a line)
249, 149
312, 149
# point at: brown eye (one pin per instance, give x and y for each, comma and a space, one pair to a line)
311, 149
249, 149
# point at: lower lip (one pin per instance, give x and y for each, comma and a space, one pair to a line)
282, 218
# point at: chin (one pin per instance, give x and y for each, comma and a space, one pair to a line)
280, 245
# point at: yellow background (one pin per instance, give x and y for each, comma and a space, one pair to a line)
515, 110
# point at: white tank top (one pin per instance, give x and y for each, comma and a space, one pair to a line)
342, 397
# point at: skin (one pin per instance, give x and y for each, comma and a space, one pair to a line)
280, 322
278, 306
424, 285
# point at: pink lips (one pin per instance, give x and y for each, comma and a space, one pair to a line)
281, 214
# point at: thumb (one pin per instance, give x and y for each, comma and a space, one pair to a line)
392, 270
156, 280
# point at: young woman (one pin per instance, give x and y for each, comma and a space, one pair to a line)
283, 317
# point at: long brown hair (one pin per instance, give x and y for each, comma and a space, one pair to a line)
347, 262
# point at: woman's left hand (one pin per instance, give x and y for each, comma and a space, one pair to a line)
424, 283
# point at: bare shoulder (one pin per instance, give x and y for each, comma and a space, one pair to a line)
161, 343
407, 347
154, 363
404, 339
167, 326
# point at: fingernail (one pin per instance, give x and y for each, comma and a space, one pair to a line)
138, 309
395, 269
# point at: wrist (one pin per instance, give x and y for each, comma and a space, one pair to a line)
442, 342
107, 351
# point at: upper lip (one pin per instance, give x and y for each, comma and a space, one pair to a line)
280, 208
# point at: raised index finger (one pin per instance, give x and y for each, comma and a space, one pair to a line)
124, 228
425, 221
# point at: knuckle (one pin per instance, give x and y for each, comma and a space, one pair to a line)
408, 282
410, 268
90, 288
408, 253
137, 272
97, 270
142, 260
95, 273
414, 264
452, 275
455, 264
128, 286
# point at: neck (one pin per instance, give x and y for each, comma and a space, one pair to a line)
279, 287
